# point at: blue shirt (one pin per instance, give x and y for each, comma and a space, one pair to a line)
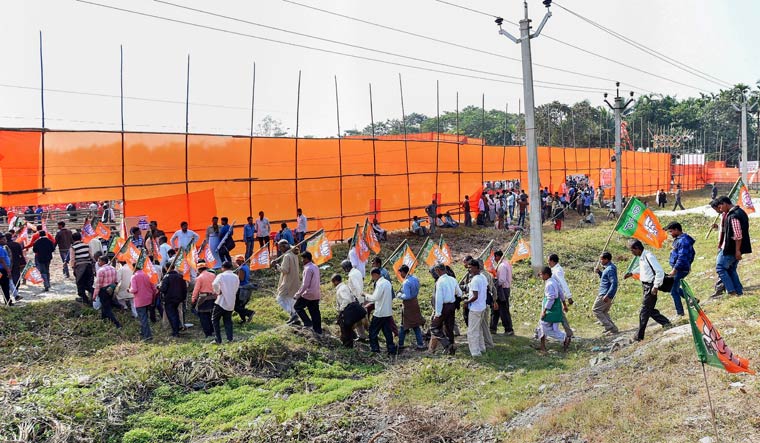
4, 255
249, 232
287, 235
246, 274
385, 274
609, 282
410, 288
223, 230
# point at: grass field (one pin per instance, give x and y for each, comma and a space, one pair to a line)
66, 376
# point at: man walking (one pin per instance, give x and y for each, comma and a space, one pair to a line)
444, 306
651, 275
382, 297
558, 274
249, 235
5, 272
105, 284
411, 317
466, 209
477, 306
63, 242
289, 282
511, 205
678, 198
226, 286
522, 209
81, 263
244, 291
356, 286
18, 261
608, 285
173, 294
734, 241
144, 292
262, 230
681, 257
503, 292
43, 254
301, 228
308, 295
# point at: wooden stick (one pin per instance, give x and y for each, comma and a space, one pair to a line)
403, 242
709, 402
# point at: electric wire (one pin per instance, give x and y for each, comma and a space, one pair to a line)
449, 43
364, 48
327, 51
678, 64
603, 57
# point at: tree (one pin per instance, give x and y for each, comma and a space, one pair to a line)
270, 127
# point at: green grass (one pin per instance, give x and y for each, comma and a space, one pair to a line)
67, 374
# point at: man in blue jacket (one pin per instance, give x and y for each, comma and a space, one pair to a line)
608, 286
681, 257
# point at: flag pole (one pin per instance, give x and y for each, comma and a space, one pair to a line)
509, 245
718, 216
607, 243
355, 234
484, 250
417, 257
709, 401
403, 242
294, 246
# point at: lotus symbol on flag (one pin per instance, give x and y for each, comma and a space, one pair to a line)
650, 226
324, 248
747, 199
263, 258
408, 260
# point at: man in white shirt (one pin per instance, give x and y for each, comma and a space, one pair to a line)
477, 305
183, 237
225, 287
503, 292
262, 230
356, 262
558, 274
511, 204
382, 297
444, 305
651, 275
343, 298
356, 286
300, 228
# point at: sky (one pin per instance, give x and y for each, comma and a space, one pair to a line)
81, 53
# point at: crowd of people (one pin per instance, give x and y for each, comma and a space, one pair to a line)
217, 291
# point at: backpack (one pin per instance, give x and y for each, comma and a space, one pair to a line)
229, 243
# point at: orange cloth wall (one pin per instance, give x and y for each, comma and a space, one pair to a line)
337, 183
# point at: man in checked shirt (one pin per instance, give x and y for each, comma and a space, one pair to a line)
734, 241
105, 283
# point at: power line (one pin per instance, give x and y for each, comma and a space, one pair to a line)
678, 64
457, 45
603, 57
364, 48
327, 51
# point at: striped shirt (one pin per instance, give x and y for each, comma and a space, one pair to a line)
81, 252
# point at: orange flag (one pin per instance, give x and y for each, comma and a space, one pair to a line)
260, 259
404, 256
320, 249
522, 251
639, 222
370, 238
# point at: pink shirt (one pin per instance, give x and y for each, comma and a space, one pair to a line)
504, 274
204, 283
142, 288
310, 287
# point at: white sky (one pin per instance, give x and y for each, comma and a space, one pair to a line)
81, 53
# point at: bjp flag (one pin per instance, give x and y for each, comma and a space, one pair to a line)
445, 251
358, 243
740, 196
370, 238
522, 251
260, 259
403, 256
320, 249
488, 258
639, 222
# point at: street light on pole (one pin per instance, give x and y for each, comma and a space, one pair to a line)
536, 234
619, 107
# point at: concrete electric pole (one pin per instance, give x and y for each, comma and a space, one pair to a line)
619, 107
742, 107
534, 194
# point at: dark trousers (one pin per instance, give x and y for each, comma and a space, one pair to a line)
502, 300
677, 292
467, 218
678, 203
242, 299
217, 314
5, 285
65, 260
249, 249
84, 280
300, 236
263, 241
44, 268
375, 326
347, 334
224, 255
204, 315
315, 322
172, 314
648, 310
106, 307
142, 314
443, 327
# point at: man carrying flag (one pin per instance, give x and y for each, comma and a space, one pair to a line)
734, 241
652, 276
740, 195
356, 254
